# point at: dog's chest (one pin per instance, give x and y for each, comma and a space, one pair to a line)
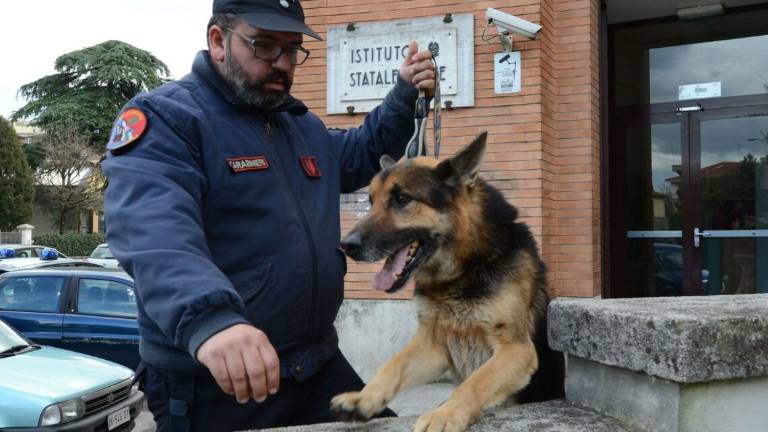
465, 338
468, 352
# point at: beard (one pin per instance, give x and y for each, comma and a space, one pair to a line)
252, 91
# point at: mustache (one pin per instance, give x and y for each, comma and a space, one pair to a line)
278, 76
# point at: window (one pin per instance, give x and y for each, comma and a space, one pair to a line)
31, 293
106, 297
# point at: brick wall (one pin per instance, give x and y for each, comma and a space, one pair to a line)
543, 147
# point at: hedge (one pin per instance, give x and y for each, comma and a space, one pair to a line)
71, 243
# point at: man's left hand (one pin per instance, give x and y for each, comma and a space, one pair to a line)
418, 69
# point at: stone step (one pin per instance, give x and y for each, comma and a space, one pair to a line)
552, 416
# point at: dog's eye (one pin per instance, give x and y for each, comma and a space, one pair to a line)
400, 199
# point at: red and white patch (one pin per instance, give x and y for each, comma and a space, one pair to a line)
309, 164
128, 128
248, 163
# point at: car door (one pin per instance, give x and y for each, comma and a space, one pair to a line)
100, 319
33, 305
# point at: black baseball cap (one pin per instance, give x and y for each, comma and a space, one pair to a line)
274, 15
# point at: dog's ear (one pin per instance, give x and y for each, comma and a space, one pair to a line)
462, 168
386, 161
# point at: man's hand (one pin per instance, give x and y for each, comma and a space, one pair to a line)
243, 362
418, 69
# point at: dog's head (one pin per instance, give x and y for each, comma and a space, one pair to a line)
418, 208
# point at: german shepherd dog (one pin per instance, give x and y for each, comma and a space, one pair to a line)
480, 289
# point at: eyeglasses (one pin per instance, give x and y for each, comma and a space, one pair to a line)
271, 52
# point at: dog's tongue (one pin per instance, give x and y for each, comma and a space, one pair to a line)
385, 278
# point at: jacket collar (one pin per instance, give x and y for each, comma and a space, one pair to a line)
202, 67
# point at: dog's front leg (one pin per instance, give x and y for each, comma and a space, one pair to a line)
421, 361
507, 371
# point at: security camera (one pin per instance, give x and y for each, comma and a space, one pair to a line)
511, 23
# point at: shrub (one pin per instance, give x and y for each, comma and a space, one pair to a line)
71, 243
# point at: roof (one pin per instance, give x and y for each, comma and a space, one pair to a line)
13, 264
95, 271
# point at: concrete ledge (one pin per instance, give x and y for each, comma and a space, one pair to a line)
553, 416
654, 404
685, 339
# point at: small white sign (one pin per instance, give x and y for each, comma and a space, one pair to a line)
507, 71
698, 91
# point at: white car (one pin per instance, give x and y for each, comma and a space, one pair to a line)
49, 258
23, 251
103, 256
44, 388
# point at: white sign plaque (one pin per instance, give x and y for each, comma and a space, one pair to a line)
373, 64
507, 72
698, 91
364, 62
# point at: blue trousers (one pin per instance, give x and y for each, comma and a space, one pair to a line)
210, 409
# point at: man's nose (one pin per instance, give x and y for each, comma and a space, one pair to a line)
283, 62
352, 243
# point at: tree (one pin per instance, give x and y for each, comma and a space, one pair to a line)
89, 89
69, 179
17, 186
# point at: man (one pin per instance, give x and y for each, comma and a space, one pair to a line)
223, 204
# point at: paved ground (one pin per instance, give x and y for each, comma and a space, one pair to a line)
412, 402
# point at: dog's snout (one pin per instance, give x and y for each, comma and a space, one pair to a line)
351, 243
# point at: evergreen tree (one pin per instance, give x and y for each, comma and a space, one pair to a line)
89, 88
17, 187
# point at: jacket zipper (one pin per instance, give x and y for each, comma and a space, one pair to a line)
310, 239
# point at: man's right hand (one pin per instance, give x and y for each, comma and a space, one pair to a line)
243, 362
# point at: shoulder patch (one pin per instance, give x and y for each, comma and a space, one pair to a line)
128, 128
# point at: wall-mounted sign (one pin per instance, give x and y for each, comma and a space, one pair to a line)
507, 70
363, 64
698, 91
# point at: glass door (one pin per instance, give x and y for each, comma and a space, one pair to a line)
650, 207
730, 191
689, 207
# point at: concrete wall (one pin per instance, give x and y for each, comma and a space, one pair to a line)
372, 331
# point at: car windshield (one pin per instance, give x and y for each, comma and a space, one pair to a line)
102, 252
9, 338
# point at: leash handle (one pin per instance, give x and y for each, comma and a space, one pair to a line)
417, 146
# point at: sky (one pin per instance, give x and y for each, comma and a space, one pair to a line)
35, 32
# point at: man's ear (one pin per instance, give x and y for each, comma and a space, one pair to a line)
462, 168
386, 161
216, 48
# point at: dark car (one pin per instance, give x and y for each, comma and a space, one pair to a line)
668, 279
92, 311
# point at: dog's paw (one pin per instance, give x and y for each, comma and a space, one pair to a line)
352, 406
441, 420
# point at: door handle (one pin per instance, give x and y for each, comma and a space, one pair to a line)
697, 235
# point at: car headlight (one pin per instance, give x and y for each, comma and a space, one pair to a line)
62, 412
134, 388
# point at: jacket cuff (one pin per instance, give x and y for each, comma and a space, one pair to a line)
206, 325
403, 96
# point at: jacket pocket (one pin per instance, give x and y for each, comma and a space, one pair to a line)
250, 281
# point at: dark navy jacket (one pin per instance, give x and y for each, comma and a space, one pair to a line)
209, 247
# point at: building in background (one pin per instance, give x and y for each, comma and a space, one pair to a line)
86, 221
611, 131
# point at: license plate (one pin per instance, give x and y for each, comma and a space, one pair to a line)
123, 415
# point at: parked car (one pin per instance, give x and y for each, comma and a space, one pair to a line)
92, 311
49, 258
24, 251
103, 256
668, 262
44, 388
